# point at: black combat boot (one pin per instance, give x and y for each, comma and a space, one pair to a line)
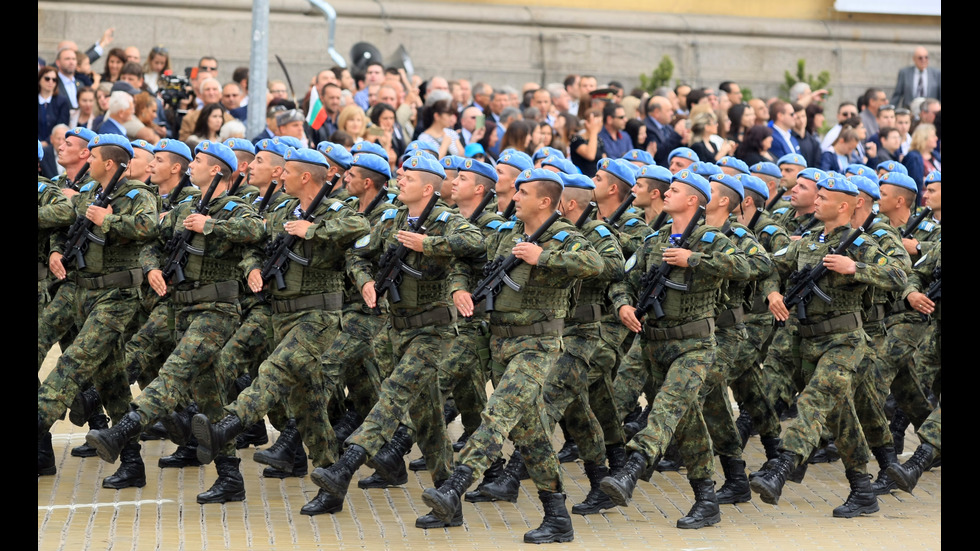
445, 500
45, 456
346, 426
886, 457
178, 424
229, 486
335, 479
771, 445
495, 471
771, 479
390, 459
430, 520
86, 404
153, 432
449, 411
376, 481
557, 525
744, 425
826, 454
595, 501
211, 438
899, 423
459, 444
418, 465
256, 435
281, 455
97, 421
507, 486
616, 454
736, 486
705, 511
638, 424
671, 461
862, 499
109, 442
906, 476
569, 451
323, 504
300, 465
620, 485
183, 456
131, 473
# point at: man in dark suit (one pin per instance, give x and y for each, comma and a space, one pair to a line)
659, 114
783, 141
917, 81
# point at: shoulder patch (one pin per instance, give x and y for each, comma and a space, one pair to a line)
740, 232
780, 210
41, 186
281, 205
654, 234
927, 226
494, 224
781, 252
708, 237
603, 231
133, 193
388, 214
631, 262
230, 206
362, 242
561, 236
880, 233
770, 229
350, 199
336, 206
632, 222
444, 216
86, 187
505, 226
858, 242
921, 260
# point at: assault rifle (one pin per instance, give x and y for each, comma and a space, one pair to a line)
656, 281
659, 221
280, 250
509, 211
392, 265
914, 222
237, 184
586, 214
382, 194
185, 181
497, 273
487, 197
803, 228
79, 178
269, 192
775, 198
179, 245
80, 232
613, 219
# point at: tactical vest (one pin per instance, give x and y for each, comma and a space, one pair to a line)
846, 295
208, 269
533, 296
417, 293
309, 280
115, 255
698, 302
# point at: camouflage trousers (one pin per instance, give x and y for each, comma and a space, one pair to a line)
359, 357
734, 356
911, 377
749, 388
931, 431
465, 375
566, 392
631, 378
153, 342
603, 370
94, 356
836, 359
783, 363
56, 321
517, 408
293, 372
869, 404
677, 370
412, 390
929, 356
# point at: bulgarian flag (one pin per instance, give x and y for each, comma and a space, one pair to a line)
317, 115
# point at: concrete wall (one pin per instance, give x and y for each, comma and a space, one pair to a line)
509, 44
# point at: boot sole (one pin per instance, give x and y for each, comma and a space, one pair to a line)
866, 510
478, 497
223, 499
765, 492
440, 509
323, 481
579, 510
310, 512
279, 474
138, 483
367, 484
562, 538
201, 429
898, 477
93, 439
84, 451
439, 524
714, 519
616, 493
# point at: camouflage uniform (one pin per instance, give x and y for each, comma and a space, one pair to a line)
423, 324
525, 330
832, 339
305, 319
54, 211
106, 296
927, 376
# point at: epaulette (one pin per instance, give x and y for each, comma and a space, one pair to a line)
493, 224
132, 193
781, 210
336, 206
631, 222
444, 216
708, 237
389, 214
230, 206
770, 229
506, 226
880, 233
41, 186
391, 197
654, 234
561, 236
350, 199
189, 198
858, 242
86, 187
633, 210
602, 231
740, 232
281, 205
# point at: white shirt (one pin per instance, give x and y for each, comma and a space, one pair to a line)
71, 90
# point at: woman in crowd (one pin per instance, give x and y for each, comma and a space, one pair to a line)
438, 120
383, 118
704, 125
114, 62
489, 140
208, 124
547, 134
755, 146
145, 106
351, 120
743, 118
517, 137
85, 115
586, 146
637, 132
922, 157
568, 127
157, 63
52, 109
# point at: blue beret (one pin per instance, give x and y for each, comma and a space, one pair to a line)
369, 147
840, 185
933, 177
792, 159
694, 180
814, 174
729, 181
40, 150
176, 147
619, 168
767, 168
517, 159
336, 154
483, 169
271, 145
80, 132
685, 152
893, 166
754, 183
655, 172
219, 151
640, 155
451, 162
737, 164
423, 163
289, 141
546, 152
561, 163
537, 175
306, 156
111, 139
580, 181
898, 179
238, 144
416, 153
419, 144
866, 185
856, 169
474, 149
142, 144
370, 162
705, 169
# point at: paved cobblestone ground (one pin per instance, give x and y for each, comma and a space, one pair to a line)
75, 513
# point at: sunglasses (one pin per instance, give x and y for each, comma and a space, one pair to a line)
206, 68
48, 79
159, 50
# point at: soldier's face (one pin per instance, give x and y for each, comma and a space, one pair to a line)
679, 163
506, 175
97, 166
827, 205
411, 187
464, 186
70, 150
888, 201
804, 194
139, 165
933, 196
200, 171
292, 178
789, 173
676, 198
525, 200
